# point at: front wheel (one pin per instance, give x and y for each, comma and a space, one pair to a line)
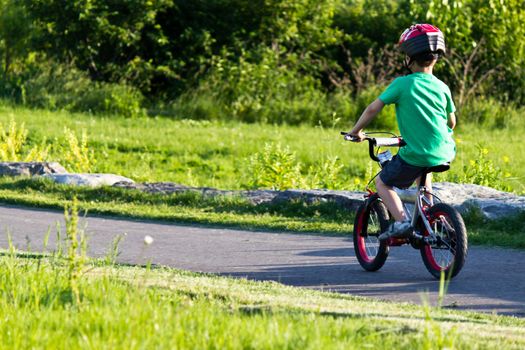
448, 251
371, 219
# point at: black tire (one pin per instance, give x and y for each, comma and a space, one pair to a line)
448, 224
371, 219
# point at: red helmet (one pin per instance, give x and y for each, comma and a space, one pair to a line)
422, 38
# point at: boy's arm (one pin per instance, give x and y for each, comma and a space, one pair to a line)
368, 115
452, 120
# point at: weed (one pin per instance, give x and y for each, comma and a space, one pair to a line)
326, 175
482, 171
276, 168
76, 154
12, 140
76, 255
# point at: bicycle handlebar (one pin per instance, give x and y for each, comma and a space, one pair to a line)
376, 142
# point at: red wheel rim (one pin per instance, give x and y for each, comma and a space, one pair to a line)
361, 244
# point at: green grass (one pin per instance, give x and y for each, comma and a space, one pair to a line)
142, 308
215, 154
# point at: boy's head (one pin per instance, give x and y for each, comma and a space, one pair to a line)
423, 44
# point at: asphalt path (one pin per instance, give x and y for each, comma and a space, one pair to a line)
493, 279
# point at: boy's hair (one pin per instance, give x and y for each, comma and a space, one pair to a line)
425, 59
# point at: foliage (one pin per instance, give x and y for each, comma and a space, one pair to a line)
275, 168
76, 249
275, 61
490, 113
52, 85
74, 154
11, 141
495, 25
482, 171
326, 175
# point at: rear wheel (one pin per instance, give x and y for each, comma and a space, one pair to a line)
449, 250
370, 221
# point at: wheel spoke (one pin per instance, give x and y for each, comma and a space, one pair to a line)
444, 256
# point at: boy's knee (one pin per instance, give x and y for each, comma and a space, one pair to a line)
380, 183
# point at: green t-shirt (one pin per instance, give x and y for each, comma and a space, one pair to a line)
423, 103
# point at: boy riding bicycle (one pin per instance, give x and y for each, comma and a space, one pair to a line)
425, 116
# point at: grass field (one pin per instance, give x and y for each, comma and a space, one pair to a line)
217, 154
117, 307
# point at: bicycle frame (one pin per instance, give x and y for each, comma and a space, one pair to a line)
419, 210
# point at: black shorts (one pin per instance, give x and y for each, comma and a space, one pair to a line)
399, 173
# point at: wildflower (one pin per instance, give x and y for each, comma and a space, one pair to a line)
148, 240
506, 159
507, 174
472, 162
458, 140
357, 181
484, 151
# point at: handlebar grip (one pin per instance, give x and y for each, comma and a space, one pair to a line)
348, 137
389, 141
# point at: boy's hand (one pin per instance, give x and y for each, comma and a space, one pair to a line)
358, 136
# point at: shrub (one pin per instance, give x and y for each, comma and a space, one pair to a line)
12, 141
386, 120
55, 85
327, 175
51, 85
489, 112
111, 99
482, 171
275, 168
75, 155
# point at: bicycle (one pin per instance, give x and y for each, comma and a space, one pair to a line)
439, 231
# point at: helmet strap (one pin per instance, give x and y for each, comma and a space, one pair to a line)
407, 62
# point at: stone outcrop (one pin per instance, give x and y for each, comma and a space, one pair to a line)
492, 203
91, 180
30, 168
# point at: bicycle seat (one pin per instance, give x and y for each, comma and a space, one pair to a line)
439, 168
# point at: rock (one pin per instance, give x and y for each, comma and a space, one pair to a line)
348, 199
492, 203
91, 180
157, 187
30, 168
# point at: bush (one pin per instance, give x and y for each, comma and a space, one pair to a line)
275, 168
272, 92
386, 120
489, 112
112, 99
52, 85
482, 171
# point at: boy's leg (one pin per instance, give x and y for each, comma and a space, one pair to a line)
391, 200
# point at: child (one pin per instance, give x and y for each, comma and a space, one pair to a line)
425, 116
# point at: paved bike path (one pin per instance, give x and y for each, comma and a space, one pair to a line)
493, 279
